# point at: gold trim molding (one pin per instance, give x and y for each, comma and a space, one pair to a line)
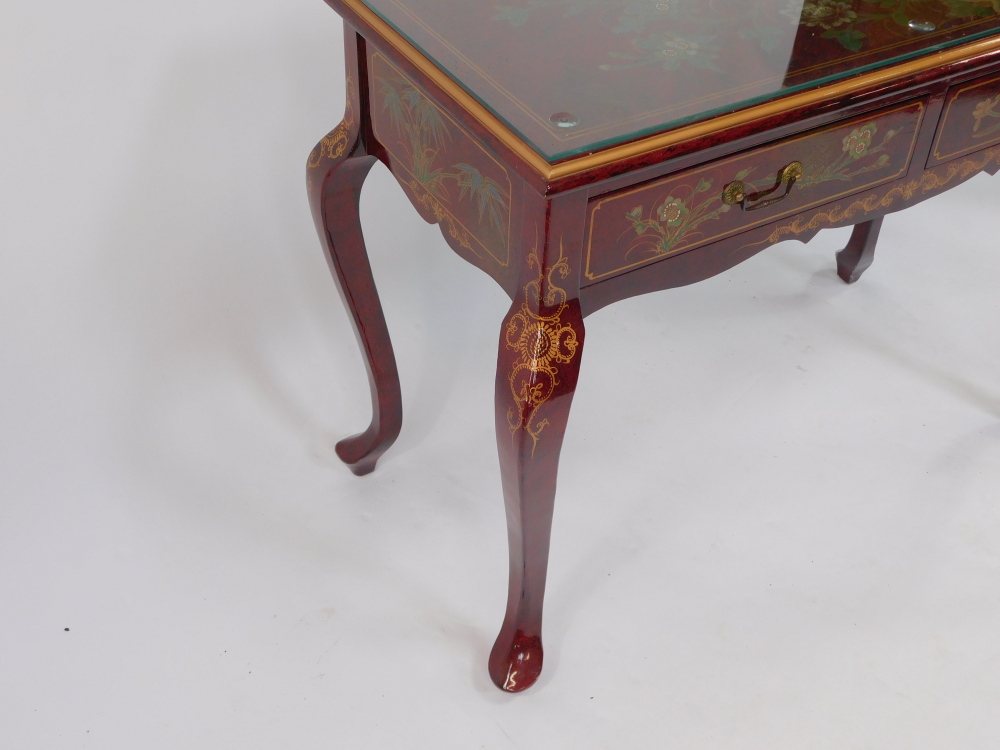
551, 172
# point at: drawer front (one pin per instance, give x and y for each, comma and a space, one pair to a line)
643, 224
971, 119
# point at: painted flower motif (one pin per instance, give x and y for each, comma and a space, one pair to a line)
984, 109
671, 51
672, 212
825, 13
677, 47
674, 51
857, 143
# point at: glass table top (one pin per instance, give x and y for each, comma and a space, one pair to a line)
574, 76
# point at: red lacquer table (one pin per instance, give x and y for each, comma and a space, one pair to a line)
584, 151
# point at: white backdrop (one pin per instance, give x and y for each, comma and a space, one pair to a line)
777, 525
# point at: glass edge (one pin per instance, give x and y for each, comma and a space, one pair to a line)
561, 157
444, 70
637, 135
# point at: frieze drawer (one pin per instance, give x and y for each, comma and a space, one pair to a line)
971, 119
643, 224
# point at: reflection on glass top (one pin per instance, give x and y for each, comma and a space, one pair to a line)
572, 76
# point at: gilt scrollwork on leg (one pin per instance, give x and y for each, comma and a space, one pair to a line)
540, 348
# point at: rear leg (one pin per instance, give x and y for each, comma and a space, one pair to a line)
854, 259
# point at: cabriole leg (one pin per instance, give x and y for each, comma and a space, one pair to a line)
854, 259
336, 171
541, 344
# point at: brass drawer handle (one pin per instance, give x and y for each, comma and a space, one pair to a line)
736, 192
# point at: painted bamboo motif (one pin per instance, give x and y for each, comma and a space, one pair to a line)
465, 195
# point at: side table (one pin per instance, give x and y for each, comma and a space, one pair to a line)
581, 152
